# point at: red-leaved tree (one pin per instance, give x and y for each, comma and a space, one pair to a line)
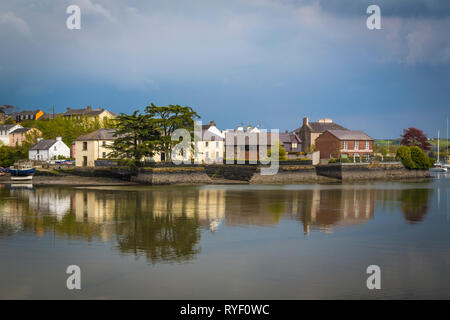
414, 137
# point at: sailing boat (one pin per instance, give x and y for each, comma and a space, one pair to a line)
438, 167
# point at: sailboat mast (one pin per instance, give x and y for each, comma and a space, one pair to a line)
446, 144
438, 149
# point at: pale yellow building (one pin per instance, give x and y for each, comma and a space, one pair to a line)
93, 146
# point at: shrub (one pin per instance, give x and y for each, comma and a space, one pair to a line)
419, 158
414, 158
404, 155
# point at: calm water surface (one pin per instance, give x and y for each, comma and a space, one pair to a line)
227, 242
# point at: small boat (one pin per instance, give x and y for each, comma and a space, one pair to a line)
439, 168
20, 174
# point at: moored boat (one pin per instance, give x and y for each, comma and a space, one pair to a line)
20, 174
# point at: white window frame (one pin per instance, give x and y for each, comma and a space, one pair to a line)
356, 146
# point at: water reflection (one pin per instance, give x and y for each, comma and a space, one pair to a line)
165, 224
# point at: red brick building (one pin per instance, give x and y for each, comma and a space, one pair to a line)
344, 144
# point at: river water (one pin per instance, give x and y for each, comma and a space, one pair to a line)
227, 241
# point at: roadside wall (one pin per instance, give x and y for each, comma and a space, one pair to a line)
369, 171
291, 174
159, 176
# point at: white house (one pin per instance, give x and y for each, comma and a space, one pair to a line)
46, 150
5, 130
210, 148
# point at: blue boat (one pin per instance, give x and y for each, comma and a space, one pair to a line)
22, 173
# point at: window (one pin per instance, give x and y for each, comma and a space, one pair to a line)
345, 145
367, 145
104, 144
207, 155
217, 144
104, 155
54, 148
294, 145
84, 146
206, 144
217, 154
356, 145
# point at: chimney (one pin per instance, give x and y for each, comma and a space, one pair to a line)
68, 109
286, 131
305, 121
212, 123
89, 108
58, 139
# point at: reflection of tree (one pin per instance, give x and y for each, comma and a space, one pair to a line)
161, 239
414, 204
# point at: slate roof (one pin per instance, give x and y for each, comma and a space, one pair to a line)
26, 112
323, 126
21, 130
350, 135
86, 112
6, 127
43, 145
100, 134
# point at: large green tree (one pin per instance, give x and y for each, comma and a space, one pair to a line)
168, 119
136, 137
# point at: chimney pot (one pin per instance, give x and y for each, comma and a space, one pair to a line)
305, 121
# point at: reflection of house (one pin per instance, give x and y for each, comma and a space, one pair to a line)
205, 205
5, 131
46, 150
344, 143
325, 208
210, 149
93, 146
54, 203
310, 131
27, 115
93, 207
19, 135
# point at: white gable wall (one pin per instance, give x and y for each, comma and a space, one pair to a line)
59, 148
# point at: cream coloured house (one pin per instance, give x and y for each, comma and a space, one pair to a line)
93, 146
211, 147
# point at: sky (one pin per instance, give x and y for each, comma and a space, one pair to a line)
236, 61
